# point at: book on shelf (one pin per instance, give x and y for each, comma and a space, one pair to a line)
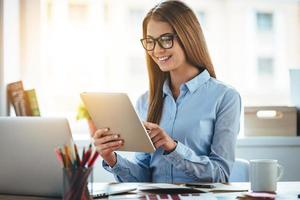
33, 102
18, 98
24, 101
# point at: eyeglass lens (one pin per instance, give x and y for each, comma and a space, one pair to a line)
164, 41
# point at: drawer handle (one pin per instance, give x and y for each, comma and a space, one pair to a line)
269, 114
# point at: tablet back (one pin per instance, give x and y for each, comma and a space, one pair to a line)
114, 110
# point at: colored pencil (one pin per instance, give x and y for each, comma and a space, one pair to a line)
93, 159
78, 162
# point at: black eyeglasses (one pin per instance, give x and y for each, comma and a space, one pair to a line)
165, 41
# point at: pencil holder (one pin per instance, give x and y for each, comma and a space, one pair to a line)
75, 183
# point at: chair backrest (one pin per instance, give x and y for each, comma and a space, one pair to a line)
240, 171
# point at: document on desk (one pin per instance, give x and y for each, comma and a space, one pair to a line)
206, 196
167, 188
190, 188
220, 187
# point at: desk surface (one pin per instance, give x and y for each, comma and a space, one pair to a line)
285, 190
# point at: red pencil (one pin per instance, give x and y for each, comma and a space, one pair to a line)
59, 156
86, 156
93, 159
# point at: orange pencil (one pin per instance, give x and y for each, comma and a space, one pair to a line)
63, 157
68, 158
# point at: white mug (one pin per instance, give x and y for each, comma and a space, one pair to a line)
264, 174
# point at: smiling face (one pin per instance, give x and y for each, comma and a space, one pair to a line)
167, 59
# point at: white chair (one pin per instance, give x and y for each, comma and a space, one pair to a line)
240, 171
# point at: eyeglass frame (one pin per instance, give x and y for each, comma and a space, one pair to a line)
156, 40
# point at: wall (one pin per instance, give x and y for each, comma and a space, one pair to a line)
2, 91
285, 149
9, 49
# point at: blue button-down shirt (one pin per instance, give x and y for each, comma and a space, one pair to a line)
205, 120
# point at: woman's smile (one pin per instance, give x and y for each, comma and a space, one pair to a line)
163, 59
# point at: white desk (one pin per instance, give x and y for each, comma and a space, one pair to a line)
285, 190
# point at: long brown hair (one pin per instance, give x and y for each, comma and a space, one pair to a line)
191, 38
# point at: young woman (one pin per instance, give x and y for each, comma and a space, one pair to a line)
192, 117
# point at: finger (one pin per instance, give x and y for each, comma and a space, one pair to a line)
153, 133
156, 138
106, 139
109, 147
150, 125
107, 151
160, 143
100, 132
110, 144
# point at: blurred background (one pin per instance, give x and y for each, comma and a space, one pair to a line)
65, 47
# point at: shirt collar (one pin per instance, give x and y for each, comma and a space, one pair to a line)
198, 81
192, 85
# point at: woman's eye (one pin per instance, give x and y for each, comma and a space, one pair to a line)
166, 39
149, 41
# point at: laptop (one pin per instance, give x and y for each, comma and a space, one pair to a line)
28, 163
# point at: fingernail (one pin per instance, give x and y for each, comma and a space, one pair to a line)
120, 142
116, 136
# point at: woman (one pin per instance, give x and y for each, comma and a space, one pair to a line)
193, 119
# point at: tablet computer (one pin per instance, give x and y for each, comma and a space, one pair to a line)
114, 110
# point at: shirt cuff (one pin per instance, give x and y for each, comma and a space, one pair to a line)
180, 152
119, 168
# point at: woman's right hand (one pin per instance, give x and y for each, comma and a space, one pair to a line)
106, 142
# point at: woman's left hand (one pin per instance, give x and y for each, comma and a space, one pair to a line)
159, 137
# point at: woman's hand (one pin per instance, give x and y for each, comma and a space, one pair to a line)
159, 137
106, 143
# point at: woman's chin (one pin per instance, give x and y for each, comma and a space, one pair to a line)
165, 68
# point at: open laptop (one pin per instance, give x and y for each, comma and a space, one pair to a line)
28, 165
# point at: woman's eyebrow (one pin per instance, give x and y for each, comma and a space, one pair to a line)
160, 35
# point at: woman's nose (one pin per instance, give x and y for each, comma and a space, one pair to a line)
158, 48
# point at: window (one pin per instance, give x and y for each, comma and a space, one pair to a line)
136, 15
2, 89
67, 47
264, 21
201, 17
265, 67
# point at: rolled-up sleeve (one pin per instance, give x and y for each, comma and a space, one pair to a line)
216, 166
128, 171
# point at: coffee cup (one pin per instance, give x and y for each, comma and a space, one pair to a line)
264, 174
